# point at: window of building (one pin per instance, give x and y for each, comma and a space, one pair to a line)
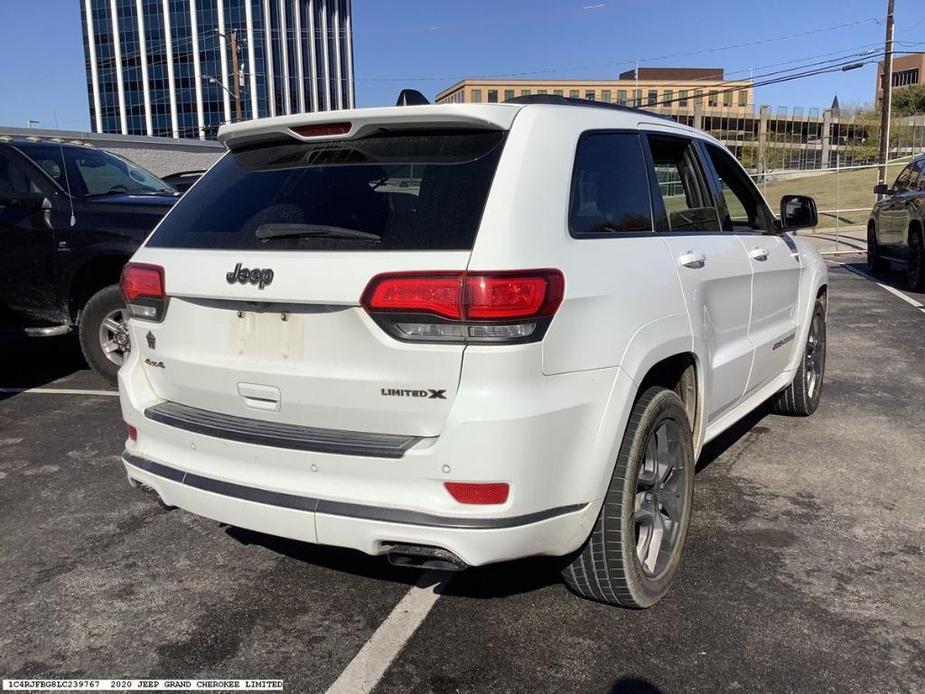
493, 96
557, 92
743, 98
610, 189
605, 95
476, 96
652, 97
682, 98
727, 97
621, 97
904, 78
712, 99
688, 204
525, 92
573, 93
541, 91
698, 96
668, 97
589, 94
508, 94
637, 97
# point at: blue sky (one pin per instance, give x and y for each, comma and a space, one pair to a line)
428, 44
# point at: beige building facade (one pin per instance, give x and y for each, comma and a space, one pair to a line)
664, 90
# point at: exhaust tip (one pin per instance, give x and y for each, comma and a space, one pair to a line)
425, 557
152, 493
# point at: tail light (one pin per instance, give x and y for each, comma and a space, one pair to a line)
132, 432
465, 307
478, 492
143, 291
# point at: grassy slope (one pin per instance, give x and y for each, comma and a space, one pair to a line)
855, 190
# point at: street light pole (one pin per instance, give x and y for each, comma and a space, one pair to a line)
236, 74
886, 102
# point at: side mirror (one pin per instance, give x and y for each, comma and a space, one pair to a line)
798, 212
28, 201
881, 189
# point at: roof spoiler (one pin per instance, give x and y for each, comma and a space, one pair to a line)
411, 97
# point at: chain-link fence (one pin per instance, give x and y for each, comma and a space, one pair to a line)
830, 154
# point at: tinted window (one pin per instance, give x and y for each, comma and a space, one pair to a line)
744, 209
920, 166
610, 190
687, 201
902, 181
421, 191
14, 179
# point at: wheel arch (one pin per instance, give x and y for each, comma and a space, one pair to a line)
90, 276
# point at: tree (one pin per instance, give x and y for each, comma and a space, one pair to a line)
909, 101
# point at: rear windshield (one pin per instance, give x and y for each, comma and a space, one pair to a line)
390, 191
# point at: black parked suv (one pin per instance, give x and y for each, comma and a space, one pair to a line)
71, 215
897, 224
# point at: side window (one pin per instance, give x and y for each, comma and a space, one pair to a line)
921, 168
15, 179
684, 192
902, 181
610, 190
745, 210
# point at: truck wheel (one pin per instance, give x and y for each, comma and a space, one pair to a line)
634, 551
801, 398
103, 330
915, 265
875, 261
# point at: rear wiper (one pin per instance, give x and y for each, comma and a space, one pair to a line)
278, 231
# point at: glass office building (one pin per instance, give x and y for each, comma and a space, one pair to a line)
166, 67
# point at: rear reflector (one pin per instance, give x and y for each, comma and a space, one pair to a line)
143, 291
322, 129
478, 493
132, 432
469, 306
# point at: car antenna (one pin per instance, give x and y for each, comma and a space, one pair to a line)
67, 180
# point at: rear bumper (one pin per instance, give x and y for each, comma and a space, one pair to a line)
369, 529
543, 435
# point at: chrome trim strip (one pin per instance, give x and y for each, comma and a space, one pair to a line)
340, 508
289, 436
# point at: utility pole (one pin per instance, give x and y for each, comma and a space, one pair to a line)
886, 102
236, 74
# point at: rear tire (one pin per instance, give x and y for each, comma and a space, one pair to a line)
633, 553
875, 261
104, 334
915, 265
801, 397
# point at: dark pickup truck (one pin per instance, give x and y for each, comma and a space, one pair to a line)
71, 215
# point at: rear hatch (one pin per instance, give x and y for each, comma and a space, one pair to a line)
266, 258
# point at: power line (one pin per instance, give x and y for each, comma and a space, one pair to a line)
651, 59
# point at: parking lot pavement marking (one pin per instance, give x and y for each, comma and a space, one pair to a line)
368, 666
60, 391
892, 290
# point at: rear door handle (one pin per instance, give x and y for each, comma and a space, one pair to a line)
693, 260
758, 254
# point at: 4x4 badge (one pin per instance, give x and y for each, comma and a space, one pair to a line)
242, 275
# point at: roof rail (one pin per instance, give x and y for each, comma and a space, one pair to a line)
556, 100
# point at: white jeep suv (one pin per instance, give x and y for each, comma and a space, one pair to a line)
463, 334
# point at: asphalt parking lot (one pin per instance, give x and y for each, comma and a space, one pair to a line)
804, 570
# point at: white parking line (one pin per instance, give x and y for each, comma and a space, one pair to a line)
892, 290
370, 664
60, 391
